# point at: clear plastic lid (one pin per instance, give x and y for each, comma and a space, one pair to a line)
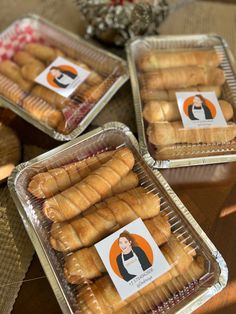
80, 193
184, 94
53, 79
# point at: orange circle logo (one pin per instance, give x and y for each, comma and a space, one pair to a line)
190, 101
115, 251
62, 68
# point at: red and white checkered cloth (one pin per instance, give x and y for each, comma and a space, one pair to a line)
16, 36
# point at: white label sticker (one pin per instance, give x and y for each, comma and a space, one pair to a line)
200, 110
62, 76
132, 258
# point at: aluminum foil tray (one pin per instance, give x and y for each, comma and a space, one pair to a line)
61, 117
180, 155
184, 294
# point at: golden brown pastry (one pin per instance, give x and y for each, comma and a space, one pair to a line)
81, 89
119, 211
130, 181
104, 296
53, 181
94, 93
92, 189
149, 301
194, 272
23, 57
156, 111
64, 128
94, 78
167, 133
12, 71
40, 51
169, 95
31, 70
153, 60
10, 90
10, 151
182, 77
42, 111
49, 96
86, 263
71, 235
47, 184
57, 53
178, 151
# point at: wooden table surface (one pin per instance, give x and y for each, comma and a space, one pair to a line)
209, 192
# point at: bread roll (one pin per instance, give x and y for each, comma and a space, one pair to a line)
94, 93
50, 97
53, 181
94, 78
156, 111
168, 133
104, 298
86, 264
42, 111
31, 71
182, 77
40, 51
179, 151
12, 71
11, 90
23, 57
117, 212
47, 184
57, 53
149, 301
92, 189
169, 95
153, 60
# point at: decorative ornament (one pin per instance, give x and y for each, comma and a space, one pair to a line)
115, 21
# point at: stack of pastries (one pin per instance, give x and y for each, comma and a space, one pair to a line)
17, 84
162, 74
89, 199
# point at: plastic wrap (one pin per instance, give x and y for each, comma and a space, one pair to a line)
162, 70
43, 192
78, 78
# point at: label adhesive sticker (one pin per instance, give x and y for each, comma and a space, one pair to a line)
62, 76
132, 258
200, 110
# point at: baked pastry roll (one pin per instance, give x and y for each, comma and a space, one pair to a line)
53, 181
12, 71
116, 212
168, 133
92, 189
182, 77
11, 90
104, 297
86, 264
40, 51
42, 111
153, 60
156, 111
169, 95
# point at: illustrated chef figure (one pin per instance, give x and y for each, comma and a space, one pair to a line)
199, 110
62, 78
132, 261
